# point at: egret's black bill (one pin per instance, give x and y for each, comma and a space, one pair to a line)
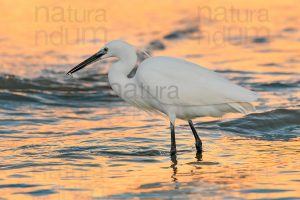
86, 62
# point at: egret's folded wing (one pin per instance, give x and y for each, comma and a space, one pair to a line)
178, 82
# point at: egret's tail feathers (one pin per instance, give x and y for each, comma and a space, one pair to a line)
242, 107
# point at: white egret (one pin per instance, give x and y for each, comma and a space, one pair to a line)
171, 86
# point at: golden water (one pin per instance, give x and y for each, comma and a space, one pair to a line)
60, 143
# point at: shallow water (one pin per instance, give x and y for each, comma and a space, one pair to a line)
72, 138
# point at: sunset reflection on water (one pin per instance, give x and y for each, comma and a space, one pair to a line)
72, 138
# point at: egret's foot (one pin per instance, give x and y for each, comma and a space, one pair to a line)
173, 151
198, 146
199, 156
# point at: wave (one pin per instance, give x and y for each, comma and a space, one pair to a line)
55, 89
277, 85
278, 124
59, 83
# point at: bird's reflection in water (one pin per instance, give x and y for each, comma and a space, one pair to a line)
174, 161
199, 157
174, 168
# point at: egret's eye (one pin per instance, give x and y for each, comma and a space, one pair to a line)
105, 49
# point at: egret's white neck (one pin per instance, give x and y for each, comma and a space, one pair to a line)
126, 62
119, 70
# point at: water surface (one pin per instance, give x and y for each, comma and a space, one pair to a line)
72, 138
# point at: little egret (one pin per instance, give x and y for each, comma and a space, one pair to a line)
173, 87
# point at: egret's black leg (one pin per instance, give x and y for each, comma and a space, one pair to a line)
173, 141
198, 142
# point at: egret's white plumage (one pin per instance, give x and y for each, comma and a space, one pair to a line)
197, 91
200, 92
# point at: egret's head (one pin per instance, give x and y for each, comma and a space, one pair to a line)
115, 48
